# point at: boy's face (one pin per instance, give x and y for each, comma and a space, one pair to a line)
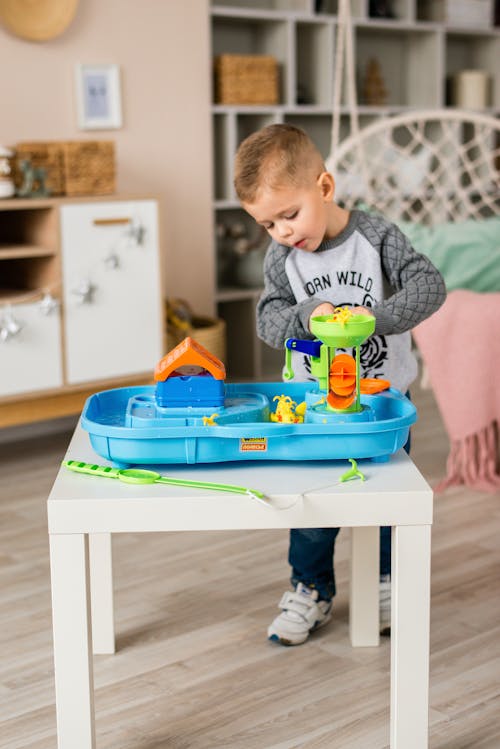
295, 216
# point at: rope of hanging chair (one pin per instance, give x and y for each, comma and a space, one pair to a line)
423, 165
344, 51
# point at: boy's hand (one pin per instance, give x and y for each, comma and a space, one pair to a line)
362, 311
325, 308
322, 309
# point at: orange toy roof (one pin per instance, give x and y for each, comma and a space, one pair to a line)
189, 352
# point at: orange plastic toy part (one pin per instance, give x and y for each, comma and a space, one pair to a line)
372, 385
343, 390
343, 374
342, 382
189, 352
340, 402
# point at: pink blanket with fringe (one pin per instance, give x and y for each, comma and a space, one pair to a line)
460, 346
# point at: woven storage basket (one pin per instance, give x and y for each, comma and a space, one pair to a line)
246, 79
73, 167
208, 331
47, 155
89, 167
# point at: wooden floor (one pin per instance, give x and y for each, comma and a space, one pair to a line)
194, 668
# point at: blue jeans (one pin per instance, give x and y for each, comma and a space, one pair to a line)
311, 553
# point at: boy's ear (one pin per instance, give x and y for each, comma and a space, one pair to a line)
326, 184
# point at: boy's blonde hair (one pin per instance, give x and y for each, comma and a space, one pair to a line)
276, 156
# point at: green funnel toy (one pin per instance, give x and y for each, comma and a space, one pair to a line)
343, 335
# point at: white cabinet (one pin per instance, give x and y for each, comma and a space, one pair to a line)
97, 261
417, 57
111, 279
31, 360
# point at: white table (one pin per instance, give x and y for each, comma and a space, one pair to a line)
83, 511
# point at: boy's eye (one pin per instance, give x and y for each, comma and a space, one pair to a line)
291, 216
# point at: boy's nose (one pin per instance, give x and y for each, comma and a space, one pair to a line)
284, 229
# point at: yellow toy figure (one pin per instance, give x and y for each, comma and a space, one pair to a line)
209, 421
341, 315
287, 411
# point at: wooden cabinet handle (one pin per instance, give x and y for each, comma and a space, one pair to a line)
111, 221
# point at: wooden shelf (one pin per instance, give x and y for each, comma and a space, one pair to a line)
22, 204
8, 252
13, 296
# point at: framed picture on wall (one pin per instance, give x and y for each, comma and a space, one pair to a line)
98, 97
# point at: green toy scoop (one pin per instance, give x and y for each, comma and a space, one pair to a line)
143, 476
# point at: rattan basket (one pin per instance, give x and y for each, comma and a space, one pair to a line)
209, 331
246, 79
89, 167
73, 167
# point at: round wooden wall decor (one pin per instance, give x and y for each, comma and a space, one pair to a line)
37, 20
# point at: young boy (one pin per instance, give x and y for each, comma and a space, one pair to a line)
323, 256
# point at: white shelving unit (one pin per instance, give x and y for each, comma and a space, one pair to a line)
417, 57
98, 260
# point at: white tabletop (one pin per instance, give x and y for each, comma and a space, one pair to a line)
301, 494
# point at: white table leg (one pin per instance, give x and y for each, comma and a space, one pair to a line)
364, 587
72, 641
101, 593
411, 554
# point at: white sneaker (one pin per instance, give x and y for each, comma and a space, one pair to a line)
385, 605
301, 613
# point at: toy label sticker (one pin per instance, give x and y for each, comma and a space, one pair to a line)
253, 444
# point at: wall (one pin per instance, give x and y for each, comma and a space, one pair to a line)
164, 146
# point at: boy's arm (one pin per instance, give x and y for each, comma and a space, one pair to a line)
419, 288
279, 315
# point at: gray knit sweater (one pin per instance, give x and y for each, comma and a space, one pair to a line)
372, 264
